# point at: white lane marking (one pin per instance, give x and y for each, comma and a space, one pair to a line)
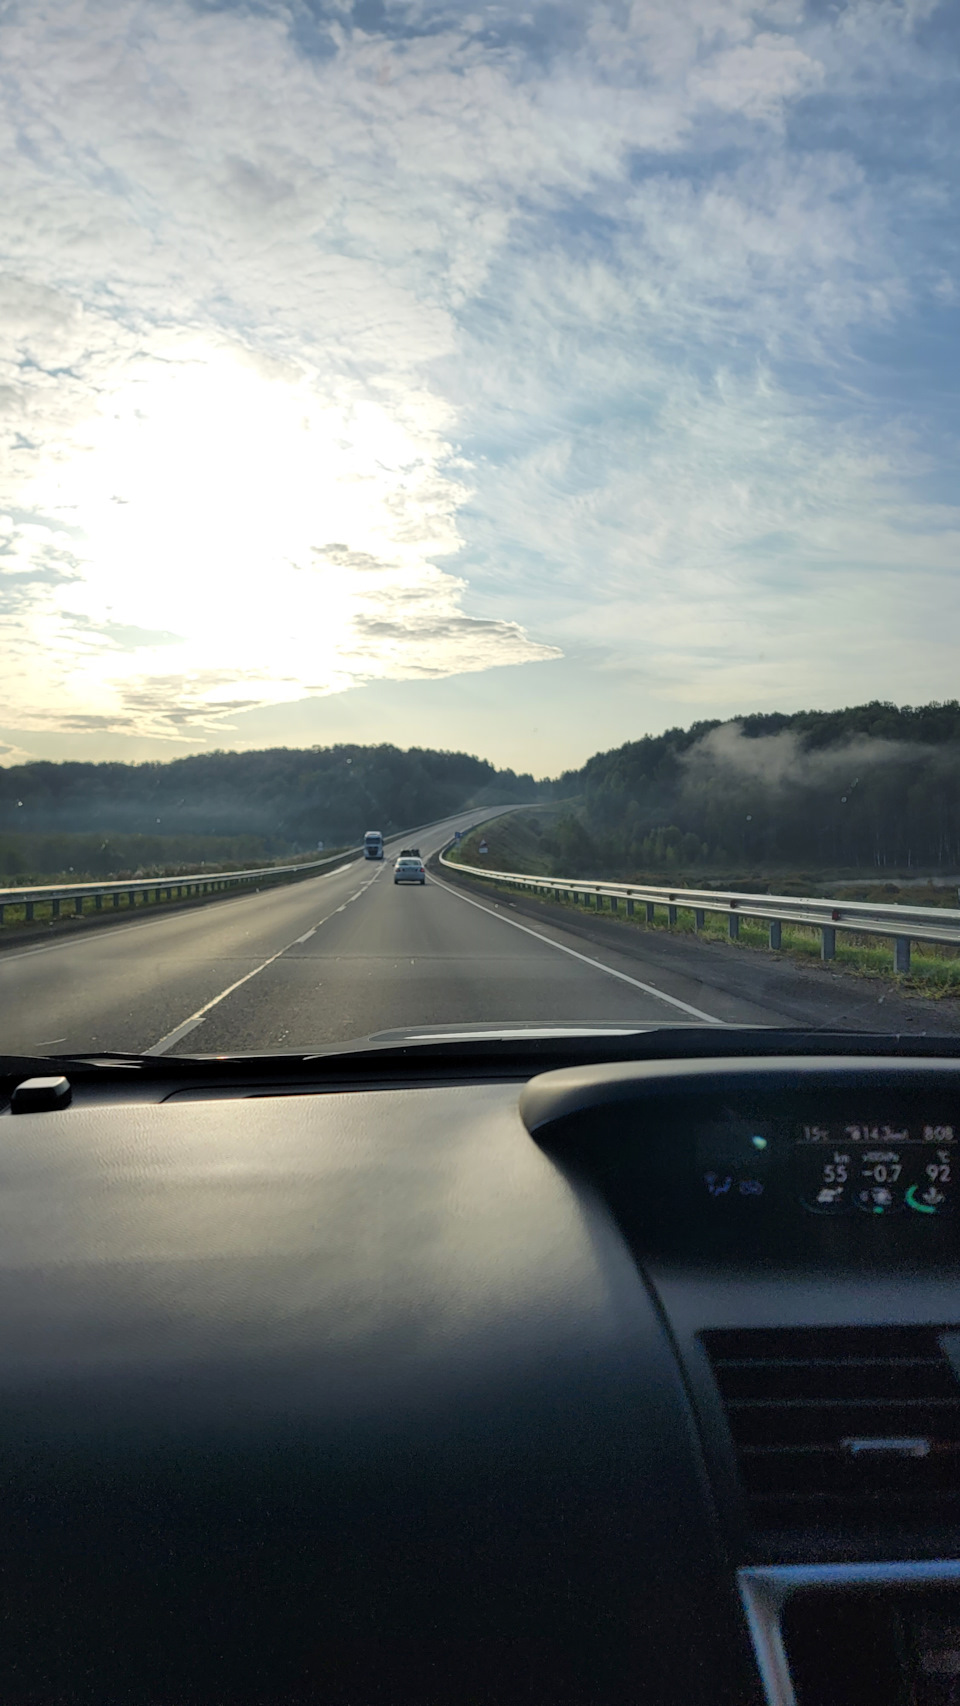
598, 965
224, 905
198, 1017
172, 1037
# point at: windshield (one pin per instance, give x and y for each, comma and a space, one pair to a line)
531, 432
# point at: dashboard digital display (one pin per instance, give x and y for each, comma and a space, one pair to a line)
793, 1167
876, 1169
830, 1166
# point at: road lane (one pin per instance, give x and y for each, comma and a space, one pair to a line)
127, 986
404, 956
347, 954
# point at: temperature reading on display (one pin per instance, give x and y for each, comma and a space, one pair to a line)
875, 1169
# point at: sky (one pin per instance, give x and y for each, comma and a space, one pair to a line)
517, 381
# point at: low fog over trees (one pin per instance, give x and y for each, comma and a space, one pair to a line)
872, 786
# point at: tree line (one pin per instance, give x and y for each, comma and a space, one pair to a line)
289, 799
873, 786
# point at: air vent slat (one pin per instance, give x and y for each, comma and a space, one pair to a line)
841, 1426
859, 1381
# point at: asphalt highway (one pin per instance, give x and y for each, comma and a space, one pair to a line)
334, 958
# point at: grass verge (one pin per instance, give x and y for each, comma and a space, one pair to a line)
934, 971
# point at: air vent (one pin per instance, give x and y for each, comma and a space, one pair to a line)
840, 1427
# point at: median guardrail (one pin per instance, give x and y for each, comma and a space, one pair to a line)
169, 888
904, 924
176, 888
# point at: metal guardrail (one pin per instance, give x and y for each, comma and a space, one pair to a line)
197, 883
905, 924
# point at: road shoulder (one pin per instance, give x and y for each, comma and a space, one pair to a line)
816, 997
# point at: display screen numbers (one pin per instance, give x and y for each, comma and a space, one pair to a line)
875, 1169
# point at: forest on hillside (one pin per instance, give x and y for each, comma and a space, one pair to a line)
288, 799
873, 786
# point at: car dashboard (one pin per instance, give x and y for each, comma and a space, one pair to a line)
636, 1380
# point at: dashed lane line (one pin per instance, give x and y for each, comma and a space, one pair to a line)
183, 1030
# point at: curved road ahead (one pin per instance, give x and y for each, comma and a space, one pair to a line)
347, 954
329, 959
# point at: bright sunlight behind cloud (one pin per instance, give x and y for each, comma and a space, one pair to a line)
402, 341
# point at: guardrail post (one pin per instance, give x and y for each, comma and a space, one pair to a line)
828, 942
651, 911
78, 905
733, 926
1, 913
698, 918
776, 933
28, 911
630, 908
671, 915
98, 902
55, 909
116, 903
901, 954
614, 903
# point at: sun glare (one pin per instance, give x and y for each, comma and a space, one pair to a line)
203, 494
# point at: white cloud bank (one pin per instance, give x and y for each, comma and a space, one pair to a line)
331, 354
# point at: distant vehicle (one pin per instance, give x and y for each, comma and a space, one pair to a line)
409, 853
409, 870
373, 844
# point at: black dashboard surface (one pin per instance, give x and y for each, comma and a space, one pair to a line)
347, 1398
373, 1396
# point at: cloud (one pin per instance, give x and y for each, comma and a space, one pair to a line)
558, 324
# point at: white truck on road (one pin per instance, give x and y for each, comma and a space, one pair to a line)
373, 844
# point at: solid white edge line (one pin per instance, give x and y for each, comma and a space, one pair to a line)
648, 989
10, 957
